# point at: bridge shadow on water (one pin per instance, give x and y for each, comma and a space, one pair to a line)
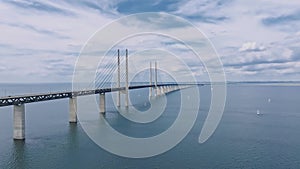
140, 104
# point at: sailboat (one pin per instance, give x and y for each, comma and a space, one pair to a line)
258, 112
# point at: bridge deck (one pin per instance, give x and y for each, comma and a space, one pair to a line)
29, 98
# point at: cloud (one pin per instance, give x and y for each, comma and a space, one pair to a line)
251, 47
35, 29
256, 39
38, 33
38, 6
279, 60
282, 19
203, 11
244, 56
134, 6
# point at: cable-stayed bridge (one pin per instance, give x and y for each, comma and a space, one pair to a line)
122, 87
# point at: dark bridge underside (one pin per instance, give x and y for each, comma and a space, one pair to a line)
16, 100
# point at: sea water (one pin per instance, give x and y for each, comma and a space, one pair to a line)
243, 139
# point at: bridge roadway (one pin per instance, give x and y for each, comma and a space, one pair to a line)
18, 102
30, 98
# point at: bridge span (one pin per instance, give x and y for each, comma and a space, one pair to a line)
18, 102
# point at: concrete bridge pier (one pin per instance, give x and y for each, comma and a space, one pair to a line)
150, 92
164, 90
171, 88
73, 110
168, 89
102, 103
19, 122
158, 93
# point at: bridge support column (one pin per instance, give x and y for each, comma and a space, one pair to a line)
127, 83
102, 102
19, 122
73, 110
162, 90
157, 91
150, 92
119, 82
118, 98
150, 79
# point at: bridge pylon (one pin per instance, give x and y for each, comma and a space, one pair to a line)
155, 83
125, 89
150, 82
126, 81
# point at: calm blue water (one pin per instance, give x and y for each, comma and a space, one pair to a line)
242, 140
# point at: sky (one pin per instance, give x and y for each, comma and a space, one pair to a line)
256, 40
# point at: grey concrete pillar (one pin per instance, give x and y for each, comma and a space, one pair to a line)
162, 90
150, 92
157, 91
150, 79
127, 82
73, 110
102, 102
19, 122
119, 82
155, 75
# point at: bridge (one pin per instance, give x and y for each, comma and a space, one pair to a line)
155, 90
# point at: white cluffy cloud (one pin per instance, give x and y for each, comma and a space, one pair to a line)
40, 40
251, 46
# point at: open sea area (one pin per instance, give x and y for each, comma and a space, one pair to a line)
260, 128
161, 84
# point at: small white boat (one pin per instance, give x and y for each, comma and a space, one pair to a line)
258, 112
